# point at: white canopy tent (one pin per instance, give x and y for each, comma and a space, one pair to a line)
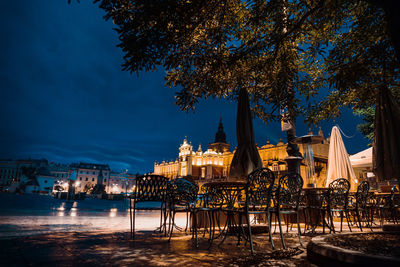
362, 159
339, 165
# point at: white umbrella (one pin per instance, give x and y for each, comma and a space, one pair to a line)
339, 165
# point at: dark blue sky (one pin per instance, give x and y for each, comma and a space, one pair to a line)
64, 97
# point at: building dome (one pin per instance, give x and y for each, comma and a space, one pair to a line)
280, 143
185, 149
185, 144
268, 145
210, 152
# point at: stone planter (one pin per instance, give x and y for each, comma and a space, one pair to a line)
322, 252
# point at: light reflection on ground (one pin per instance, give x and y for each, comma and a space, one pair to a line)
30, 215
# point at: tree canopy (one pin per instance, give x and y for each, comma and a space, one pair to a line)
360, 60
307, 56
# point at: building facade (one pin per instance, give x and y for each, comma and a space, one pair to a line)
214, 163
120, 182
89, 174
210, 164
51, 177
61, 172
11, 171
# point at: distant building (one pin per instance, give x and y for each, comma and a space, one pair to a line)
220, 145
46, 184
215, 162
61, 172
43, 182
48, 177
120, 182
11, 170
89, 174
211, 164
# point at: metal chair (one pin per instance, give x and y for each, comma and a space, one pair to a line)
395, 203
258, 198
288, 200
205, 205
148, 188
181, 197
389, 206
226, 200
338, 200
363, 209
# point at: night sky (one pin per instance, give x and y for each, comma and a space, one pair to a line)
63, 95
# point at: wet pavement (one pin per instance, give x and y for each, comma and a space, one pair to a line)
149, 249
29, 214
96, 233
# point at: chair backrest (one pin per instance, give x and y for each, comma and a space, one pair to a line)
150, 187
212, 196
182, 192
362, 194
289, 190
259, 187
338, 192
207, 196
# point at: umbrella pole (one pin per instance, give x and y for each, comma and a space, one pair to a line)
294, 156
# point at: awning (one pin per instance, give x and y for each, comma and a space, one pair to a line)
362, 159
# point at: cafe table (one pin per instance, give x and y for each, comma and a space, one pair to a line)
383, 201
227, 199
314, 205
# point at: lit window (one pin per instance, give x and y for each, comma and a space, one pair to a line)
275, 167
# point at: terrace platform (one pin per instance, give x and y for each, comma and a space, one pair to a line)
149, 249
108, 248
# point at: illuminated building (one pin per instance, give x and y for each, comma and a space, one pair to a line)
214, 163
120, 182
90, 174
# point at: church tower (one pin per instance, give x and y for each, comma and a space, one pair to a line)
185, 158
220, 145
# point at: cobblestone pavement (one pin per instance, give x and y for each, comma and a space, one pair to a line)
148, 249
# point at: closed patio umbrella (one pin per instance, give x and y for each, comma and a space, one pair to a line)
386, 147
339, 165
246, 157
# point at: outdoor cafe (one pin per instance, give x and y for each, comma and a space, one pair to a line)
218, 210
254, 197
